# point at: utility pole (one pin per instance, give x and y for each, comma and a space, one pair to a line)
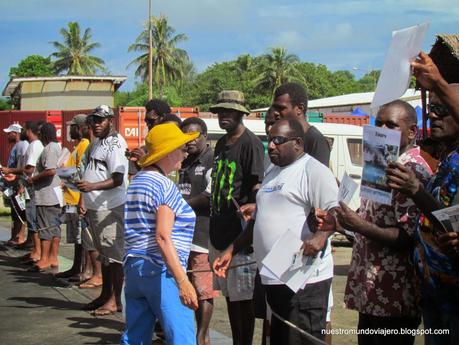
150, 55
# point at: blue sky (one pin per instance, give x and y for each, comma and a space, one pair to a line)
338, 33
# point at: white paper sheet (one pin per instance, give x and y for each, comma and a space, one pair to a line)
396, 73
59, 195
380, 146
347, 189
279, 260
449, 217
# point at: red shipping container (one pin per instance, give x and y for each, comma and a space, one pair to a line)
356, 120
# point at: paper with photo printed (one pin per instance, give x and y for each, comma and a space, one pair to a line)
380, 146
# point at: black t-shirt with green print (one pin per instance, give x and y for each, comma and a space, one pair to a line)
236, 169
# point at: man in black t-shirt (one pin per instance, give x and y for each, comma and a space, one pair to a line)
236, 175
291, 101
194, 178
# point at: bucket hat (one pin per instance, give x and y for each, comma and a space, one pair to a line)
231, 100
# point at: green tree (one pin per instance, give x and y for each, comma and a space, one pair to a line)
33, 66
5, 104
72, 55
368, 82
169, 62
276, 68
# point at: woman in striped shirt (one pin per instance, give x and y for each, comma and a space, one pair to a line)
159, 227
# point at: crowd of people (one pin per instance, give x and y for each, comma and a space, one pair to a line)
176, 221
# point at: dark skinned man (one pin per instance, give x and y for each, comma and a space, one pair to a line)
236, 175
104, 193
294, 184
194, 177
437, 252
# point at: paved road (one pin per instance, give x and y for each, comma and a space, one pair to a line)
35, 310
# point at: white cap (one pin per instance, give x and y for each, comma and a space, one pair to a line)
15, 127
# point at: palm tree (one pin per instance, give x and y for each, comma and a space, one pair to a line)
276, 68
169, 62
73, 53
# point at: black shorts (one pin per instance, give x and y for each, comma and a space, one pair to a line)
306, 309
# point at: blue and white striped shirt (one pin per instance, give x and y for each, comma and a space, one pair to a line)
147, 191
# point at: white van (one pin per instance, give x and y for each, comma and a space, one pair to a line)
346, 141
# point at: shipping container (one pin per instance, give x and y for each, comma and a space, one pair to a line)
315, 116
184, 112
132, 125
356, 120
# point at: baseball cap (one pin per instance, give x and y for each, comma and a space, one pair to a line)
15, 127
102, 111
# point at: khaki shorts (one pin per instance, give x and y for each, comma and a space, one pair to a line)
107, 231
239, 282
202, 281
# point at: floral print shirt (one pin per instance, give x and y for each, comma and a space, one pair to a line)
381, 280
439, 274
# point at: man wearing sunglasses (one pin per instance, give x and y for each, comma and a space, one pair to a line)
437, 251
293, 184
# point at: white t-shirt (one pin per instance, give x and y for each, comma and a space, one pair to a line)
107, 156
284, 201
32, 153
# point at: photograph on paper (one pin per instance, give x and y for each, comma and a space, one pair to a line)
380, 146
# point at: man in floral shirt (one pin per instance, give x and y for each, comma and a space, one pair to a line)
381, 282
437, 253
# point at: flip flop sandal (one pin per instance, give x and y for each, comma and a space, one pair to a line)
88, 285
102, 312
39, 269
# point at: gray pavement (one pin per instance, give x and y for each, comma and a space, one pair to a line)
35, 308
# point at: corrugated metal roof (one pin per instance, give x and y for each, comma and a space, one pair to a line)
14, 83
351, 99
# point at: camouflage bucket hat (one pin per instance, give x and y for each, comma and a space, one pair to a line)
232, 100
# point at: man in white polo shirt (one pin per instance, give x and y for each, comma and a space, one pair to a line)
293, 185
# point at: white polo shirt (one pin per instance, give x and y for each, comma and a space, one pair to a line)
284, 201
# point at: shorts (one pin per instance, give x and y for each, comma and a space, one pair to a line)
107, 231
202, 281
49, 222
86, 238
72, 226
31, 215
240, 281
307, 309
17, 215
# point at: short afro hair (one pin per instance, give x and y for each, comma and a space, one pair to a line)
195, 121
160, 107
296, 92
411, 117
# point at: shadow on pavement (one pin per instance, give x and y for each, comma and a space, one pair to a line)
48, 302
91, 323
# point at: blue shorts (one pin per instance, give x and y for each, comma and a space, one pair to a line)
152, 293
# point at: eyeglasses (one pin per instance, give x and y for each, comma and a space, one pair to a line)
438, 109
279, 140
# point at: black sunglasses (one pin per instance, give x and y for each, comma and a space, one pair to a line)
279, 140
438, 109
